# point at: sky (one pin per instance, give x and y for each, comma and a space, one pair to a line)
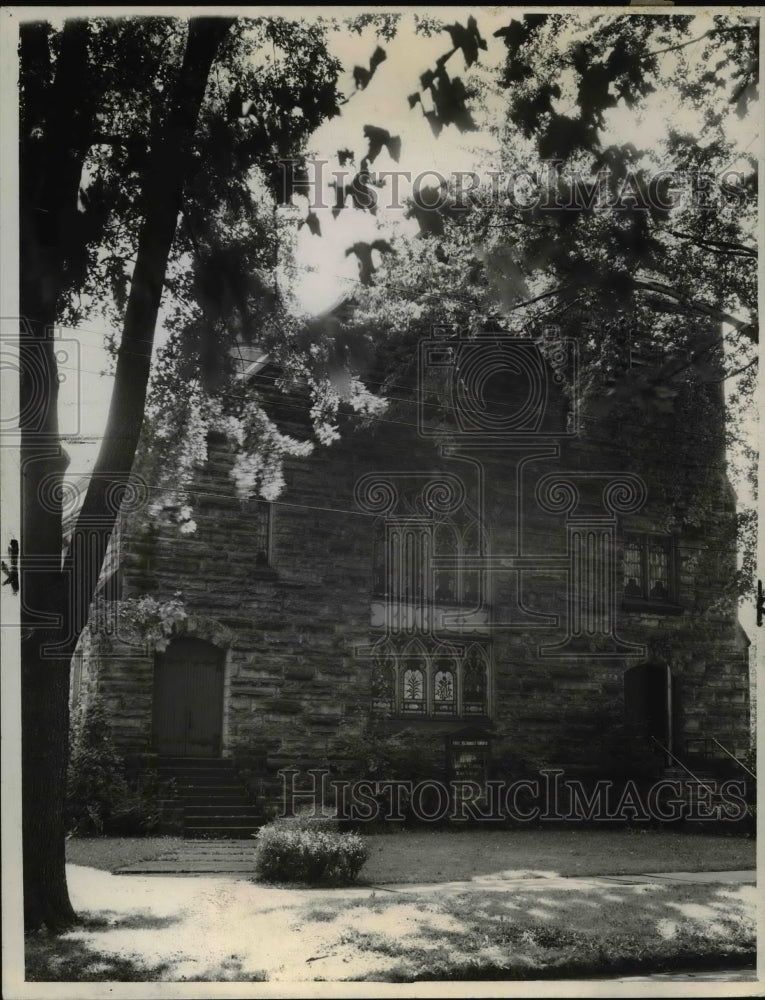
324, 273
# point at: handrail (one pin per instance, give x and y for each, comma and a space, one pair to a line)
677, 760
733, 757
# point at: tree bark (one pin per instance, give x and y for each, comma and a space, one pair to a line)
56, 130
169, 159
55, 122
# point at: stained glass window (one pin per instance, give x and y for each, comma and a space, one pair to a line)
413, 690
431, 683
444, 688
474, 683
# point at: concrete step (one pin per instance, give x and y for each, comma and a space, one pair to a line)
197, 802
180, 763
239, 809
210, 788
221, 833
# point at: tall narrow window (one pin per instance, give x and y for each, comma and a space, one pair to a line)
474, 701
259, 516
658, 569
444, 687
633, 569
413, 690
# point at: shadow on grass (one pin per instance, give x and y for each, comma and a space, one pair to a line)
110, 920
50, 958
58, 959
593, 933
531, 950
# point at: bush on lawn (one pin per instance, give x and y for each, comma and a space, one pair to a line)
316, 820
100, 798
96, 783
288, 854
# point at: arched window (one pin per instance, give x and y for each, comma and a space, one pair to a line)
414, 679
444, 687
474, 686
430, 682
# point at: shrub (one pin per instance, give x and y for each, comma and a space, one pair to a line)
96, 784
307, 819
100, 798
139, 812
289, 853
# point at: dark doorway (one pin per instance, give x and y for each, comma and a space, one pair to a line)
648, 701
188, 699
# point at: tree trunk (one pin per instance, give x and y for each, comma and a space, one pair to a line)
56, 124
162, 196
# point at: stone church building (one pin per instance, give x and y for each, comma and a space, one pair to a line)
483, 565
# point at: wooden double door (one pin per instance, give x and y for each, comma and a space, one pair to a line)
188, 699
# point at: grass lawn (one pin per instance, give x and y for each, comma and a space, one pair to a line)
108, 853
433, 856
442, 857
550, 933
213, 929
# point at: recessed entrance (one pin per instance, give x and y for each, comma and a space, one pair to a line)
188, 699
648, 701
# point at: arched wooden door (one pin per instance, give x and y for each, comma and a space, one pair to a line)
188, 699
648, 700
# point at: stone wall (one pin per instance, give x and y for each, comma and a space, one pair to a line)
296, 680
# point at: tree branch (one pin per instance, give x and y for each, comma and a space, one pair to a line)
738, 371
695, 305
538, 298
736, 249
700, 38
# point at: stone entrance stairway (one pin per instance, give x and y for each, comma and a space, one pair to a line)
209, 800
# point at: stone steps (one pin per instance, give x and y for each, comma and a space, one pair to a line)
210, 802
